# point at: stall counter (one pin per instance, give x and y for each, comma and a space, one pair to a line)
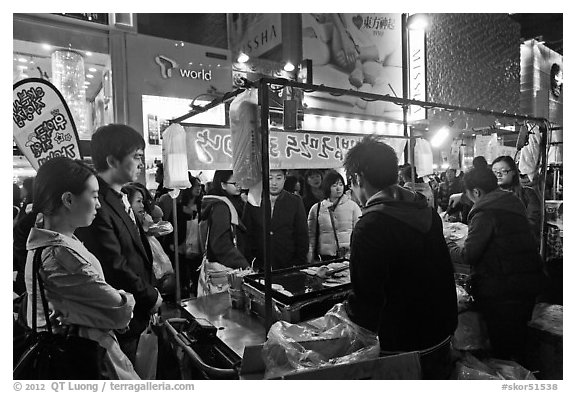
236, 328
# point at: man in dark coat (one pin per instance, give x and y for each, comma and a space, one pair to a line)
288, 227
115, 236
507, 273
402, 277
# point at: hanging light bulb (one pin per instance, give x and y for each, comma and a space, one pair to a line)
243, 57
440, 137
289, 67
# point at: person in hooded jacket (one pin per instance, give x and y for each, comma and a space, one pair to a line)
402, 277
506, 269
330, 222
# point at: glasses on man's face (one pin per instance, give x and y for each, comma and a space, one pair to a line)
234, 183
502, 172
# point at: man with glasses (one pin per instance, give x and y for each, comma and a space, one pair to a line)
402, 277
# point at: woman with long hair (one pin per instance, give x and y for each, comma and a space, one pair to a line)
66, 196
312, 188
506, 171
220, 225
330, 221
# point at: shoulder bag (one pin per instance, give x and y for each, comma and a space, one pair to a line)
213, 275
56, 356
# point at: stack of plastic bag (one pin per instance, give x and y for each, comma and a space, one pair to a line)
328, 340
246, 139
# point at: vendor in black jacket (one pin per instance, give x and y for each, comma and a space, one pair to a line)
507, 271
402, 277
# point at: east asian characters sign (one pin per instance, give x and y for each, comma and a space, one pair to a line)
42, 124
211, 148
354, 51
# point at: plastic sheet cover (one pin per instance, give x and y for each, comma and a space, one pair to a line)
329, 340
469, 367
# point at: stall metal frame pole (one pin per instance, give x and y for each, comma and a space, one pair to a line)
265, 132
263, 84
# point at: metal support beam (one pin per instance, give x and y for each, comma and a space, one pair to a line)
263, 102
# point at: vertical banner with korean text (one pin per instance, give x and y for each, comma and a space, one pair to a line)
42, 123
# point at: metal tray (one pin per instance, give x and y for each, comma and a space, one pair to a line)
303, 286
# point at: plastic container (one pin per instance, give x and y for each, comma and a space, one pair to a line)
237, 298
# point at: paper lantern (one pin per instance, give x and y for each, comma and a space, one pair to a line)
68, 77
175, 157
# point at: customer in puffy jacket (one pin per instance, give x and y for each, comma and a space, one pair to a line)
507, 272
330, 221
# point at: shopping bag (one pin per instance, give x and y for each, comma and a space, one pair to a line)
161, 264
147, 354
192, 238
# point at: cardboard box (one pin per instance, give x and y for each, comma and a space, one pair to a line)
403, 366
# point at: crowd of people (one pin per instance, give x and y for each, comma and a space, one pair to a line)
95, 231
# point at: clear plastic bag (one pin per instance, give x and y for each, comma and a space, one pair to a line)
328, 340
469, 367
246, 145
161, 264
471, 333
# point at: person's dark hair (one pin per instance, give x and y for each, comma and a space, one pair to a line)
220, 176
28, 185
510, 162
187, 193
55, 177
479, 162
406, 172
375, 160
307, 189
117, 140
291, 181
130, 188
330, 178
16, 195
481, 178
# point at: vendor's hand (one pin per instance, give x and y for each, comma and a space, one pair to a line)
158, 303
454, 199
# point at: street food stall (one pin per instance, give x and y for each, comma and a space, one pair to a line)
233, 326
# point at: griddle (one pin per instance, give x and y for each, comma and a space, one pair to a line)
302, 285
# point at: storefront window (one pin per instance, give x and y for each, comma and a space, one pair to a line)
156, 112
82, 77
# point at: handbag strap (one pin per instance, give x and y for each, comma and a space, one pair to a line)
36, 278
331, 213
331, 210
316, 248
